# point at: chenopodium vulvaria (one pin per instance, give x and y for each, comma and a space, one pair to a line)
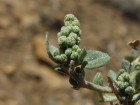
74, 61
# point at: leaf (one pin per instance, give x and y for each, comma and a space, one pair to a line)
82, 56
120, 72
106, 97
126, 65
112, 75
136, 97
96, 59
98, 79
132, 56
50, 49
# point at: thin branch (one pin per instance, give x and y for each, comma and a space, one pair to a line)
78, 75
92, 86
114, 89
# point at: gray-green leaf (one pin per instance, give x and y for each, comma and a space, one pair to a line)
136, 97
98, 79
108, 97
112, 75
82, 56
126, 65
96, 59
50, 49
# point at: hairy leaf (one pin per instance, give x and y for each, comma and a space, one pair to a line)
132, 56
106, 97
50, 49
96, 59
126, 65
112, 75
98, 79
136, 97
83, 64
82, 56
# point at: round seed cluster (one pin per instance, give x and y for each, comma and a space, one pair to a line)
124, 84
68, 40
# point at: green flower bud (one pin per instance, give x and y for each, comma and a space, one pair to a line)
76, 23
63, 58
132, 83
63, 28
62, 40
125, 76
75, 47
123, 98
67, 23
120, 78
78, 40
120, 85
129, 90
68, 51
126, 84
56, 52
70, 41
136, 66
57, 58
69, 28
59, 34
120, 72
69, 17
65, 31
73, 35
74, 55
79, 50
76, 29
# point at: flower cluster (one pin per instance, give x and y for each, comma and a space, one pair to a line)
73, 61
126, 86
68, 40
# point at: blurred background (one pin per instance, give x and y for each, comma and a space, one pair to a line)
26, 77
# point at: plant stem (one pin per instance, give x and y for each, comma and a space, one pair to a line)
92, 86
79, 78
113, 89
